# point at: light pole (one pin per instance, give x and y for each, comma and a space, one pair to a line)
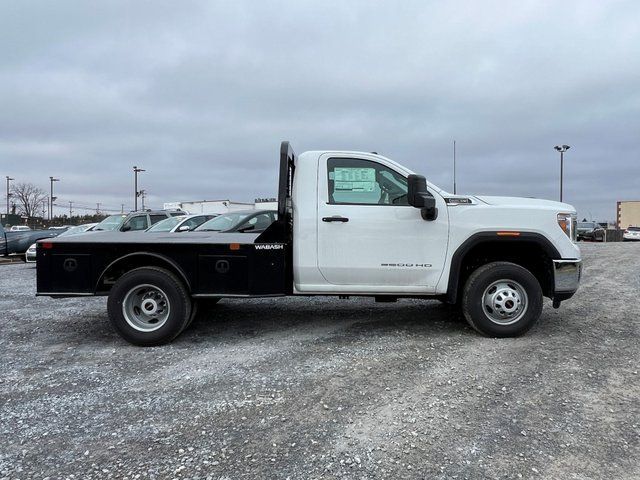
52, 198
136, 170
561, 149
8, 192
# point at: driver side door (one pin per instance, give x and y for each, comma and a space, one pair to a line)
369, 237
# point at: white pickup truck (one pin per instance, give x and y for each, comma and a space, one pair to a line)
349, 224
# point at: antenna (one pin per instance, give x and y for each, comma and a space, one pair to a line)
454, 167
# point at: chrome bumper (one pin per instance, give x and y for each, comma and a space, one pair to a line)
566, 275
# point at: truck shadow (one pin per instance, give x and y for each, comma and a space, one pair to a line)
242, 319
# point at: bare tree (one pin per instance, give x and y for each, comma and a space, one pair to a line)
28, 198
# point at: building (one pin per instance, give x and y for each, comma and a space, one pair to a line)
221, 206
628, 214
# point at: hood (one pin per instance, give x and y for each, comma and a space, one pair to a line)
526, 202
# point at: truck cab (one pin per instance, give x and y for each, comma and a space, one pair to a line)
357, 232
348, 223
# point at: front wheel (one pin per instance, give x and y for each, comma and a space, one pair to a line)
149, 306
502, 299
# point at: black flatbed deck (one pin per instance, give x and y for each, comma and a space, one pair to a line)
211, 264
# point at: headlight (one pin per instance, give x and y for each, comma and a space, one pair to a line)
568, 223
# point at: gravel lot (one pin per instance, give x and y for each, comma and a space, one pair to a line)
325, 388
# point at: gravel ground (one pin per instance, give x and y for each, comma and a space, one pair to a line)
323, 388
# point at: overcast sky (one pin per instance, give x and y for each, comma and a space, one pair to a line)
200, 94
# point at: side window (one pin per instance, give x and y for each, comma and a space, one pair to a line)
195, 222
364, 182
138, 222
156, 218
259, 222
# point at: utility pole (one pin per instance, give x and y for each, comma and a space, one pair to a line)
8, 192
454, 167
122, 208
136, 170
52, 198
561, 149
98, 208
143, 194
70, 209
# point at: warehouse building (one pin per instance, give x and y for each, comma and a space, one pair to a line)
628, 214
222, 206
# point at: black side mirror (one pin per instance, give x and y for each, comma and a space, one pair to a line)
418, 196
125, 228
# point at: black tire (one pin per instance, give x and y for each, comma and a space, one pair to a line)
172, 294
512, 279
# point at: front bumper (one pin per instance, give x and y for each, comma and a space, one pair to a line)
566, 278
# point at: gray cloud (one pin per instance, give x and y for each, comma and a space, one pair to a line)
201, 93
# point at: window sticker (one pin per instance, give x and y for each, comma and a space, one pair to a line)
354, 179
352, 174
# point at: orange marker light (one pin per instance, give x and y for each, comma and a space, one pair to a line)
234, 246
508, 234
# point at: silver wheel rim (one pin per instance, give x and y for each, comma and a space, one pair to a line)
504, 302
146, 308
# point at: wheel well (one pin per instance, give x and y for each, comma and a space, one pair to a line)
528, 254
119, 267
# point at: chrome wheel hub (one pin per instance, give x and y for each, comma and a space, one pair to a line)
146, 308
504, 302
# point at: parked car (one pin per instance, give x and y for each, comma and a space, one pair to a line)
135, 221
591, 231
30, 254
631, 234
20, 228
253, 221
184, 223
17, 242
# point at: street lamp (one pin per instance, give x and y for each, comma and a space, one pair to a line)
136, 170
561, 149
52, 198
8, 192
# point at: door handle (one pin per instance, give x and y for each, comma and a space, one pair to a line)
335, 218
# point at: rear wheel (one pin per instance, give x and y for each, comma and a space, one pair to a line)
149, 306
502, 299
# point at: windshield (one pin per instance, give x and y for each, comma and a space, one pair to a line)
222, 222
165, 225
110, 223
586, 225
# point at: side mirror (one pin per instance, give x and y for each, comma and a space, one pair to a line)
184, 228
125, 228
419, 197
